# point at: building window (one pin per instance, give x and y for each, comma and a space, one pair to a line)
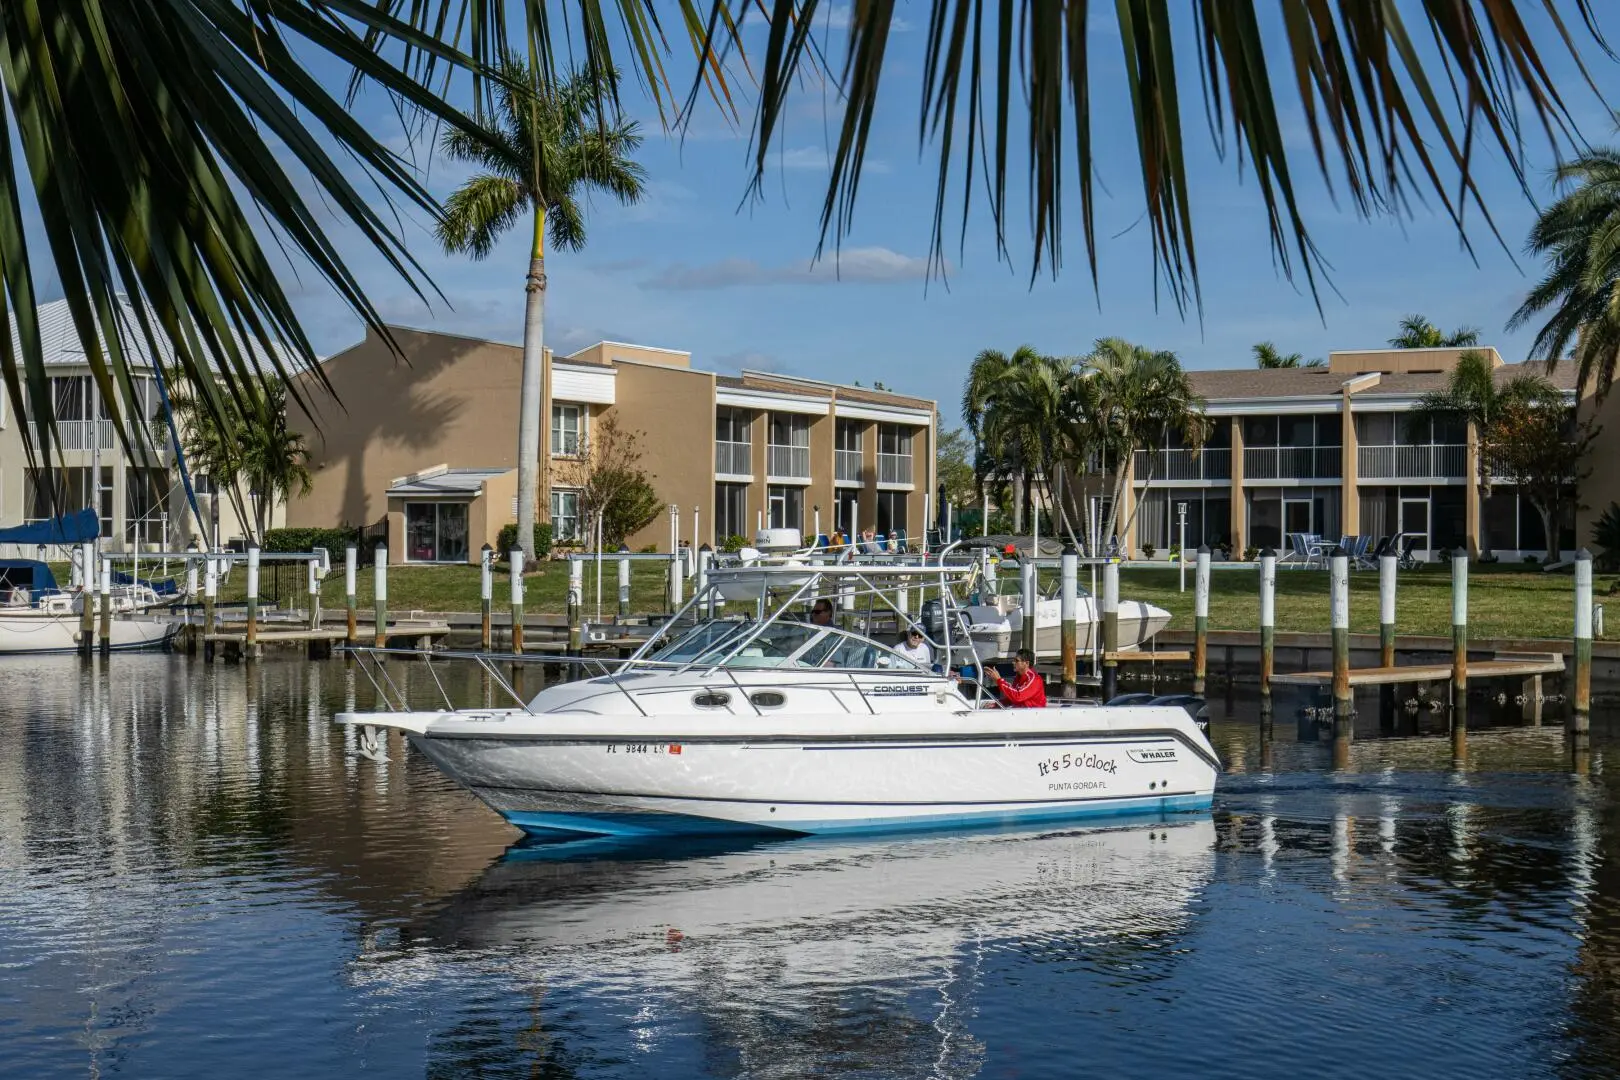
436, 532
146, 498
785, 507
891, 512
731, 425
565, 516
848, 435
567, 429
894, 439
730, 511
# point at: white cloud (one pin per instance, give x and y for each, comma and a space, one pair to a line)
867, 264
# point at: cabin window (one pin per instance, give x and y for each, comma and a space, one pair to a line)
768, 699
711, 699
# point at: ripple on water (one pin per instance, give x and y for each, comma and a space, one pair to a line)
198, 876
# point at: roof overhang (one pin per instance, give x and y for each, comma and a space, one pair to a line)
737, 397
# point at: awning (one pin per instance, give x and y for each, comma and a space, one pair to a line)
67, 529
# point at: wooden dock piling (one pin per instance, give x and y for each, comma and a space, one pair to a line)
312, 588
1068, 609
1028, 594
516, 563
576, 599
351, 562
1459, 655
1201, 619
1581, 713
87, 594
379, 593
106, 605
1339, 620
252, 603
1268, 623
1110, 630
486, 598
624, 586
210, 595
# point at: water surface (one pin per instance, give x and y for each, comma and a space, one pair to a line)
199, 877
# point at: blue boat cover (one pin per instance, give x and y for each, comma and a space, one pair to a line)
36, 577
163, 587
67, 529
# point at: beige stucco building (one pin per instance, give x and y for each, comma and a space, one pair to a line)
430, 444
136, 489
1331, 451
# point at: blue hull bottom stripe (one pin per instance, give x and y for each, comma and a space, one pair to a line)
569, 825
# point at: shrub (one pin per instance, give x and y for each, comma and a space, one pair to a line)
1147, 551
333, 540
648, 549
1251, 553
1606, 535
633, 506
508, 537
733, 544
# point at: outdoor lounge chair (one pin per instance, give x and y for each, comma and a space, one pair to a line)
1407, 559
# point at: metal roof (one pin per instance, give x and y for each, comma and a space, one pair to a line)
62, 346
467, 482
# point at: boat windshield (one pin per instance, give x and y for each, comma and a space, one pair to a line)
806, 645
702, 638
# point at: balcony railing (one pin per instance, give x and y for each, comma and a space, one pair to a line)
1214, 463
847, 466
1439, 461
1292, 463
99, 435
894, 468
787, 462
733, 458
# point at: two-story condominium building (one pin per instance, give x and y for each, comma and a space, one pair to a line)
1333, 451
430, 445
134, 488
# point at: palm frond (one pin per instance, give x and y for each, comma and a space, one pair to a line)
479, 211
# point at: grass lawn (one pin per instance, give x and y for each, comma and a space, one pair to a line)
1502, 601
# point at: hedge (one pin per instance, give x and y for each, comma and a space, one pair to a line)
508, 536
333, 540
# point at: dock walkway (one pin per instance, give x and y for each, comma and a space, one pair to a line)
1501, 666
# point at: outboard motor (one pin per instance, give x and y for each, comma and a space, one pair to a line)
932, 618
1196, 707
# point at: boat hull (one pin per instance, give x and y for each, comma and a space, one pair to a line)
33, 633
821, 786
996, 636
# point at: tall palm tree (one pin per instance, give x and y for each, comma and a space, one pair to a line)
1266, 355
548, 146
1418, 332
1037, 410
1141, 396
1578, 293
1473, 395
1003, 457
155, 137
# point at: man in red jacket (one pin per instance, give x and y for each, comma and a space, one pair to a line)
1026, 689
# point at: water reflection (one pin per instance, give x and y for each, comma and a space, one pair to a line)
197, 871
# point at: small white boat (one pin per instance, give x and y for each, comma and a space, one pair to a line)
37, 617
996, 623
773, 724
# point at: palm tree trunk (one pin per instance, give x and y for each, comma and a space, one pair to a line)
532, 395
1019, 483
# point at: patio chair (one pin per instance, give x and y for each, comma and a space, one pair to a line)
1361, 557
1406, 556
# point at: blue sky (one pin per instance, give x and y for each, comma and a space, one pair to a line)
701, 266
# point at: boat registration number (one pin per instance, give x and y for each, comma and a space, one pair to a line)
643, 748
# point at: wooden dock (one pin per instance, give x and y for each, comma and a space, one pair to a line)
1501, 666
230, 640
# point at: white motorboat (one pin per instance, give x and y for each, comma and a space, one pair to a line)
762, 722
37, 617
996, 622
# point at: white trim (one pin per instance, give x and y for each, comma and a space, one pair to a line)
583, 385
1293, 405
786, 481
897, 487
772, 402
734, 478
1159, 481
885, 413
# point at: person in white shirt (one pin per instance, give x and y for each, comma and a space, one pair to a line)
915, 648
